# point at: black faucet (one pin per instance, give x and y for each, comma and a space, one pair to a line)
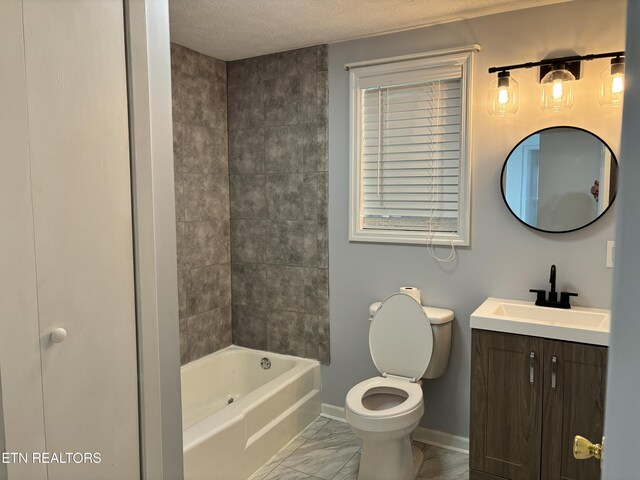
553, 296
552, 301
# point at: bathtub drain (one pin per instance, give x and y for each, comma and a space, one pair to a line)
265, 363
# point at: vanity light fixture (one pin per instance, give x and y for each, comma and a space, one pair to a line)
503, 96
557, 76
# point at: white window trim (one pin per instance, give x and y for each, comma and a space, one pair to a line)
359, 74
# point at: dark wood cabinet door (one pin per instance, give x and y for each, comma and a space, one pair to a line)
506, 405
574, 394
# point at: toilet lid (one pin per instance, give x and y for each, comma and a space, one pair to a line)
400, 337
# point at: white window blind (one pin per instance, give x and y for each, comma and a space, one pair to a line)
411, 155
409, 143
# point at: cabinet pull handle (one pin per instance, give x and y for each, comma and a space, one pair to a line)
554, 365
532, 367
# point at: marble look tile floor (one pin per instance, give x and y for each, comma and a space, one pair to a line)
328, 450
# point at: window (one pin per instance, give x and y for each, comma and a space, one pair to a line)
409, 148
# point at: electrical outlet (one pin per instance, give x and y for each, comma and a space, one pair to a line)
611, 252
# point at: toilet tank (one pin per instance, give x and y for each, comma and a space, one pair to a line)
441, 320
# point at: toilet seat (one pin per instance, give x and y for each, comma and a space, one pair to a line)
401, 338
412, 392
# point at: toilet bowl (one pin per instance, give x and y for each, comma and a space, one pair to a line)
383, 411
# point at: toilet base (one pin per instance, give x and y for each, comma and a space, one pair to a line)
390, 459
418, 460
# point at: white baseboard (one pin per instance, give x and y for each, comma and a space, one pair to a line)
332, 412
441, 439
420, 434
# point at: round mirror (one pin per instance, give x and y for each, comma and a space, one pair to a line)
559, 179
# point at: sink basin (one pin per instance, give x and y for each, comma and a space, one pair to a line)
578, 324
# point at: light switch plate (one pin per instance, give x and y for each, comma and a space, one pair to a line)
611, 251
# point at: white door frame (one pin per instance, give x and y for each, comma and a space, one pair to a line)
150, 117
622, 416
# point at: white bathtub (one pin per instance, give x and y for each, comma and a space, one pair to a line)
230, 441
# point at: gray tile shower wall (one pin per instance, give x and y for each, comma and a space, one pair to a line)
199, 91
277, 113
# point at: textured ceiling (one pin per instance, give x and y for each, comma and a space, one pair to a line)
234, 29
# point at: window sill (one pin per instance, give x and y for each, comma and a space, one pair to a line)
407, 237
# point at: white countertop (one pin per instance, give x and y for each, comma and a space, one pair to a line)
577, 324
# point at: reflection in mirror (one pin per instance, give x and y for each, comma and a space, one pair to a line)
560, 179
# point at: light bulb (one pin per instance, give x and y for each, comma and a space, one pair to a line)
502, 98
557, 90
503, 95
611, 91
617, 84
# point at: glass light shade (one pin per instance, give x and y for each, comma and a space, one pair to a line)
502, 97
557, 90
611, 91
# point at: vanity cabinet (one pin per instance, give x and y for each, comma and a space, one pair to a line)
529, 397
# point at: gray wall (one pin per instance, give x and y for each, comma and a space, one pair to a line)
505, 258
622, 420
278, 191
199, 92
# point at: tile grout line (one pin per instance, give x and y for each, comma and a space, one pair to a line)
203, 266
237, 262
303, 443
292, 452
303, 473
311, 437
345, 465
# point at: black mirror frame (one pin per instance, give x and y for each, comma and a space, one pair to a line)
504, 167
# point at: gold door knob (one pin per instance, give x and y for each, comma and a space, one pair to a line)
583, 448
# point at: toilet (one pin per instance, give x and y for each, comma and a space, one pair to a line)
408, 342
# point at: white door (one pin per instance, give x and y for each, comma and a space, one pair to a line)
75, 96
